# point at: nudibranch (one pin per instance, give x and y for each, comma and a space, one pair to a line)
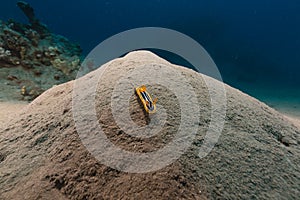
148, 103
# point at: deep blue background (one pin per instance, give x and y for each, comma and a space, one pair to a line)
254, 43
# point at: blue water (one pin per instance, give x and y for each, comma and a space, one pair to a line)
254, 43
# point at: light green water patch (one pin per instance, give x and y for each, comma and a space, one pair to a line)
285, 99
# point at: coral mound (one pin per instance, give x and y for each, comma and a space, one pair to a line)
33, 58
42, 156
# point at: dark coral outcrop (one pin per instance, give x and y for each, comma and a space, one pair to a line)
32, 59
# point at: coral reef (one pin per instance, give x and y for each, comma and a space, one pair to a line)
33, 55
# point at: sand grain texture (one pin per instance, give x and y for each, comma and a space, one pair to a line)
42, 157
9, 110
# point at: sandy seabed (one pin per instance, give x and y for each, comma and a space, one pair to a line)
43, 157
10, 109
